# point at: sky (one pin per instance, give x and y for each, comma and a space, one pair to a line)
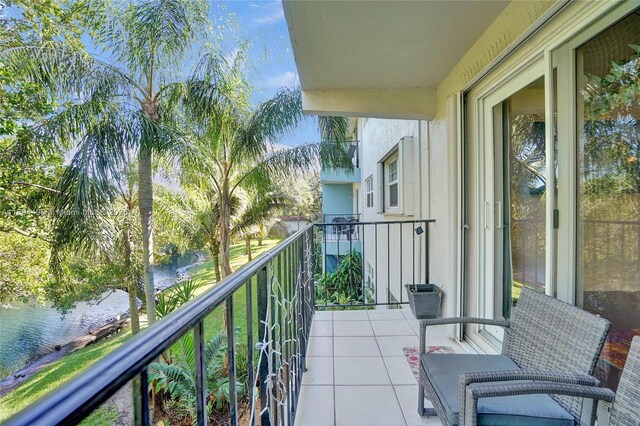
262, 25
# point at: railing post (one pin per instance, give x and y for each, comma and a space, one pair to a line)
251, 379
426, 252
263, 368
201, 375
231, 355
142, 416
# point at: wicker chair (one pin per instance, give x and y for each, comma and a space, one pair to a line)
549, 351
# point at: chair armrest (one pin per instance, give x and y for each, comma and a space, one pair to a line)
465, 320
469, 412
467, 378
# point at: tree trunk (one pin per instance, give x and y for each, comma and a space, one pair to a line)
215, 258
224, 234
145, 203
260, 241
132, 285
248, 248
133, 310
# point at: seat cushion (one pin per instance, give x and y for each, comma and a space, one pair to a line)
444, 370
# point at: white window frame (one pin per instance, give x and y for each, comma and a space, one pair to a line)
368, 191
388, 207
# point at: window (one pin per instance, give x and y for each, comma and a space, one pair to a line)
392, 182
395, 183
368, 190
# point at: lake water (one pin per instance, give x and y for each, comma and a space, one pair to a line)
28, 331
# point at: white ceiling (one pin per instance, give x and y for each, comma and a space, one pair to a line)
364, 44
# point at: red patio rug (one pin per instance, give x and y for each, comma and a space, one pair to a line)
413, 356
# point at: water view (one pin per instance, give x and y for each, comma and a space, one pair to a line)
30, 330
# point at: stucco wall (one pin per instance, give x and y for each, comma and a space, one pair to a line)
336, 198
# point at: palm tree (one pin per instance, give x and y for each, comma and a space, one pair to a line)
259, 211
233, 145
118, 103
102, 229
107, 233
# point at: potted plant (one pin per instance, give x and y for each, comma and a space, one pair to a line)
425, 300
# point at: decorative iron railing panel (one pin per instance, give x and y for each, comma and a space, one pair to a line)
283, 315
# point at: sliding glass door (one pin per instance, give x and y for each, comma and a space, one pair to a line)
608, 186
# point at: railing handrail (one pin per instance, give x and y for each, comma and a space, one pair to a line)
384, 222
83, 394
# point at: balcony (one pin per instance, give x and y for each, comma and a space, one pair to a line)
357, 372
301, 357
332, 176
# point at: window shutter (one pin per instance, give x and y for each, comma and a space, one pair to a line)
380, 192
407, 172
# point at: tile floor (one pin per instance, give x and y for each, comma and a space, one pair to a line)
357, 373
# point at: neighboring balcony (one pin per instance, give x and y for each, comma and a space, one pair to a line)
339, 175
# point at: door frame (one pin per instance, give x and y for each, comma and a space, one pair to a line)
539, 57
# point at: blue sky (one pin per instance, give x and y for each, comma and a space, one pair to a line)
262, 25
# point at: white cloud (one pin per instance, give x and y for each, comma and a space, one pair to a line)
287, 78
276, 14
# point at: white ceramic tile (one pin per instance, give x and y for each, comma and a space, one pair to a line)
367, 406
360, 371
406, 311
320, 346
392, 328
408, 397
319, 371
323, 316
322, 328
350, 316
352, 328
315, 406
356, 346
386, 314
392, 345
399, 371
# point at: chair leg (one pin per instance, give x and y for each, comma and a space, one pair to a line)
422, 411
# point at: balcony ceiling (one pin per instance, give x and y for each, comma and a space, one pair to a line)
379, 49
383, 44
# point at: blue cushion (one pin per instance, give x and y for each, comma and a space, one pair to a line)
443, 371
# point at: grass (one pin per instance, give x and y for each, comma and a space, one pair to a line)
59, 372
204, 275
55, 374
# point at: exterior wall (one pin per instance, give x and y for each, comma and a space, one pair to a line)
336, 198
379, 138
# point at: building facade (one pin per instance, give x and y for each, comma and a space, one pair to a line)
515, 126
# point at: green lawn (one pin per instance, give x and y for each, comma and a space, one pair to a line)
61, 371
205, 277
55, 375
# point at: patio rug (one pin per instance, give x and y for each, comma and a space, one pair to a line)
413, 356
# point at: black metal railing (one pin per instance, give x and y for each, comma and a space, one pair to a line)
610, 254
360, 264
281, 310
330, 217
342, 226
